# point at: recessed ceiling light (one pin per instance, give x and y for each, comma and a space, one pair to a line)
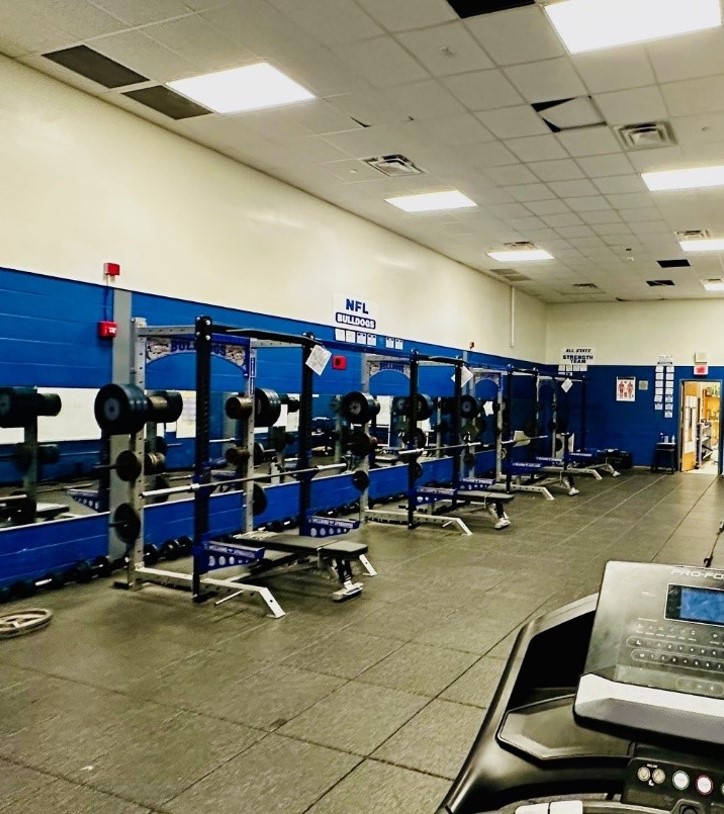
590, 25
520, 255
432, 201
713, 285
252, 87
694, 178
703, 245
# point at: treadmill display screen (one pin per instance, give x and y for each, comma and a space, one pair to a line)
689, 604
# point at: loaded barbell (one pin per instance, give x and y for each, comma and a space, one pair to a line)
21, 405
125, 408
266, 405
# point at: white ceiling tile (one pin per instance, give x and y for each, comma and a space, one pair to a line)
631, 200
588, 203
513, 210
615, 69
140, 53
603, 165
664, 158
333, 22
457, 129
312, 149
601, 216
517, 35
589, 141
423, 100
536, 148
557, 221
703, 153
530, 192
510, 175
27, 28
318, 117
369, 141
554, 206
526, 224
694, 96
351, 170
612, 230
646, 213
700, 53
370, 107
488, 154
570, 189
381, 61
404, 15
200, 43
153, 11
702, 129
514, 122
632, 106
620, 184
483, 90
565, 170
587, 242
445, 49
575, 231
546, 81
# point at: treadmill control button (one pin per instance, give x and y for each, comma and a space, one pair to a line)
644, 774
704, 784
680, 780
658, 776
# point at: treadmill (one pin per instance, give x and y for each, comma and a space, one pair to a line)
614, 702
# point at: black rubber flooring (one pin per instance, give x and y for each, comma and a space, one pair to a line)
138, 702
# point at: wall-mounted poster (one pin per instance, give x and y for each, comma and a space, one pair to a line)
625, 388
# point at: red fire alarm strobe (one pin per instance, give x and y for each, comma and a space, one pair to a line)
339, 363
112, 269
107, 329
701, 370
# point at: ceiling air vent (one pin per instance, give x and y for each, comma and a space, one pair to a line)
585, 286
511, 275
657, 283
673, 264
693, 234
394, 166
645, 136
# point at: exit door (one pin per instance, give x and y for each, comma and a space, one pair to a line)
690, 408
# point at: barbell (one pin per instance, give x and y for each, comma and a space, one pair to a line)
20, 405
22, 455
125, 408
266, 406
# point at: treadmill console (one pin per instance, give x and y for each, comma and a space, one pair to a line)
656, 656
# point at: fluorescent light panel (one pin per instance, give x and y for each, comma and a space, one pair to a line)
252, 87
695, 178
590, 25
432, 201
520, 255
713, 285
714, 245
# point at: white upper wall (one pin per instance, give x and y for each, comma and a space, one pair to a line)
85, 182
635, 333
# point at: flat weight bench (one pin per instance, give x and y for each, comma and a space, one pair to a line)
540, 469
336, 554
472, 491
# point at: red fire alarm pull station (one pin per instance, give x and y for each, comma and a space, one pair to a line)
107, 329
112, 269
339, 363
701, 370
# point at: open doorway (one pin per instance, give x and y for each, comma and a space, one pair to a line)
700, 428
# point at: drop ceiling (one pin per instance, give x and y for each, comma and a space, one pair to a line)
490, 104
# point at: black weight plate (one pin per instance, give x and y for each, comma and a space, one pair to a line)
237, 456
259, 500
128, 466
185, 544
154, 463
468, 407
358, 407
238, 407
161, 482
169, 406
127, 523
425, 406
481, 422
399, 405
360, 480
102, 566
267, 407
417, 468
530, 428
48, 453
360, 443
120, 409
23, 456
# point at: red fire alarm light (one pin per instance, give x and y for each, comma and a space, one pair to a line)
339, 363
112, 269
107, 329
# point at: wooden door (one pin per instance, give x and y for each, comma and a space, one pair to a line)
689, 422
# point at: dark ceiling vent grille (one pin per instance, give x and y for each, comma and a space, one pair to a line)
89, 63
657, 283
674, 264
510, 275
474, 8
163, 100
589, 286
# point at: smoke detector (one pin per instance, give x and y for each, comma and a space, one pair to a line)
645, 136
393, 166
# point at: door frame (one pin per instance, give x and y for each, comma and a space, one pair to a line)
682, 407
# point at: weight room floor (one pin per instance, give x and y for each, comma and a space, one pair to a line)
131, 703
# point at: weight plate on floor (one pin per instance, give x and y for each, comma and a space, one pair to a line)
23, 622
